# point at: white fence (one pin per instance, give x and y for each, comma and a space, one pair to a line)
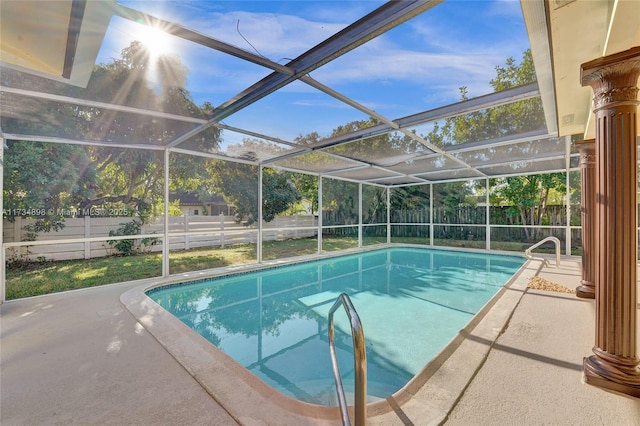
185, 232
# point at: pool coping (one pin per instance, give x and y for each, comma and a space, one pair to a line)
427, 399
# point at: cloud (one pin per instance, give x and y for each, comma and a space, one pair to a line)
478, 26
411, 66
275, 36
421, 49
506, 8
336, 11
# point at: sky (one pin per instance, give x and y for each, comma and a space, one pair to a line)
415, 67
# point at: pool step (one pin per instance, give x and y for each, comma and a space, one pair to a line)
323, 393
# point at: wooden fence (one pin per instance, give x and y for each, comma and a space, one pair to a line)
188, 232
185, 232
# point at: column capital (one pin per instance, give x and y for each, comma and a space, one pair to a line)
587, 150
613, 78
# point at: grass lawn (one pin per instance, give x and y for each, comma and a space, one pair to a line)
36, 278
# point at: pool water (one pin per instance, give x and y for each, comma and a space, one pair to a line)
411, 302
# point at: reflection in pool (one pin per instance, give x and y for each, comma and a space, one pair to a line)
411, 301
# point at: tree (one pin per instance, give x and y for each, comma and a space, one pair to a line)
43, 192
517, 117
374, 204
449, 195
414, 197
238, 184
136, 177
278, 193
527, 196
339, 202
79, 177
307, 187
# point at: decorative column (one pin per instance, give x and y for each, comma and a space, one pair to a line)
615, 364
587, 150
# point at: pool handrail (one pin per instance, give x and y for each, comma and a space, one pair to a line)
555, 240
359, 362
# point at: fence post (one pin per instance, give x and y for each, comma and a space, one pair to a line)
222, 230
430, 214
87, 234
187, 241
17, 229
487, 229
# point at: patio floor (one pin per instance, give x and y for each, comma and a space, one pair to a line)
533, 374
81, 357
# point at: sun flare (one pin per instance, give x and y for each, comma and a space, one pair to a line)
156, 42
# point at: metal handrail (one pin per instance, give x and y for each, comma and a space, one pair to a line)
359, 363
555, 240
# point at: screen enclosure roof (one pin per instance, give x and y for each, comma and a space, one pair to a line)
355, 90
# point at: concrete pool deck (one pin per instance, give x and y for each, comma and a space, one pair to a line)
82, 357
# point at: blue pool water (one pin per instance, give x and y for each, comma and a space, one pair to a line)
411, 301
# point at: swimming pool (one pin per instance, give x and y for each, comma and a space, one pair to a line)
412, 302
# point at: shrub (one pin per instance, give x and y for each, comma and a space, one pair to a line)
132, 246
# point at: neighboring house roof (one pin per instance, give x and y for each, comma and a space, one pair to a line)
193, 199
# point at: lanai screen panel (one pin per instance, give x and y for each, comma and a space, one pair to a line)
365, 173
537, 149
399, 180
139, 93
428, 164
383, 150
316, 162
455, 174
524, 167
36, 115
238, 144
299, 113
